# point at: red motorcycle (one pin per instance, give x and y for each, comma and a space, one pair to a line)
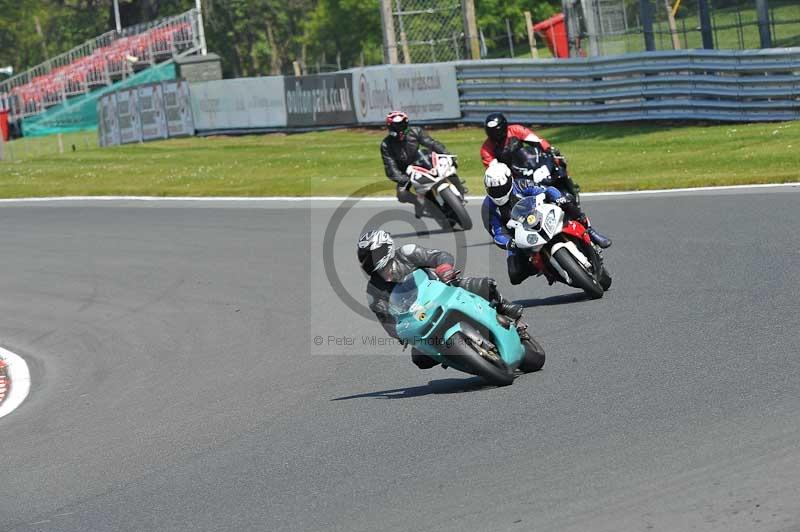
558, 249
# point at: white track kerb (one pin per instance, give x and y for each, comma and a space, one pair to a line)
365, 198
20, 379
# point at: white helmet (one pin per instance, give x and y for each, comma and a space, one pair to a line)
375, 250
498, 182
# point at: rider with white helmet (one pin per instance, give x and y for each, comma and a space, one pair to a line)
502, 193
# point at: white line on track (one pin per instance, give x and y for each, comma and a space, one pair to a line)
20, 379
377, 198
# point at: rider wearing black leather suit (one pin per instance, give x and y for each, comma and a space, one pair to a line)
399, 150
387, 266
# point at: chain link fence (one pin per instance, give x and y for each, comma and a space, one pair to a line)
611, 27
428, 31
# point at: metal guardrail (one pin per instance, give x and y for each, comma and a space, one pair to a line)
751, 85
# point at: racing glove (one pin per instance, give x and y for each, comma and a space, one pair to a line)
560, 159
513, 145
446, 273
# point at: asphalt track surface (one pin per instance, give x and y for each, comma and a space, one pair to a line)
176, 384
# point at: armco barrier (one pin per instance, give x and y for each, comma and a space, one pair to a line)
742, 86
751, 85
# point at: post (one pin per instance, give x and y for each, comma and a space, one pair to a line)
705, 24
404, 45
573, 26
470, 28
200, 29
762, 8
389, 39
118, 22
531, 35
673, 28
647, 25
591, 26
403, 35
296, 66
510, 38
60, 144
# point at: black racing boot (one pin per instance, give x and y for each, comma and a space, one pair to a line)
419, 209
602, 241
501, 304
507, 308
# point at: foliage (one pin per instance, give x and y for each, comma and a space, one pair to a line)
491, 17
254, 37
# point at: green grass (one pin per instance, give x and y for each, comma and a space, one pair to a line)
602, 157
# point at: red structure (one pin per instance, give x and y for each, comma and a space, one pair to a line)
554, 31
4, 124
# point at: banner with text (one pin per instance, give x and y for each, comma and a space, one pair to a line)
243, 103
425, 92
128, 116
178, 108
319, 100
108, 128
145, 112
151, 112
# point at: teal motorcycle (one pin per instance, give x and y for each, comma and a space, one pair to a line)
461, 330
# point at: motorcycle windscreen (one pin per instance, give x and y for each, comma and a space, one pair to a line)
524, 212
404, 295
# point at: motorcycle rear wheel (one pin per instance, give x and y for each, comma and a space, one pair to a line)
580, 277
534, 356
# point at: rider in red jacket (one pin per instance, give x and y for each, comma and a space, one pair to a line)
498, 134
503, 139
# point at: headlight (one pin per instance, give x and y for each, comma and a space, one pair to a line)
550, 222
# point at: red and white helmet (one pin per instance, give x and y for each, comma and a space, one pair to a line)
397, 123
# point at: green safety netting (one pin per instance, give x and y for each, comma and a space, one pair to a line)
80, 113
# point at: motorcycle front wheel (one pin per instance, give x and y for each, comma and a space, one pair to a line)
457, 208
580, 277
466, 356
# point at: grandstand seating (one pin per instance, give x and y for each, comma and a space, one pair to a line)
125, 53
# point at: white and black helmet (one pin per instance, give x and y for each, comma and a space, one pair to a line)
375, 250
498, 182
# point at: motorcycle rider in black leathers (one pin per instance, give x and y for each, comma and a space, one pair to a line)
399, 150
387, 265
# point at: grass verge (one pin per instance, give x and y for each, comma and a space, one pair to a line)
601, 158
